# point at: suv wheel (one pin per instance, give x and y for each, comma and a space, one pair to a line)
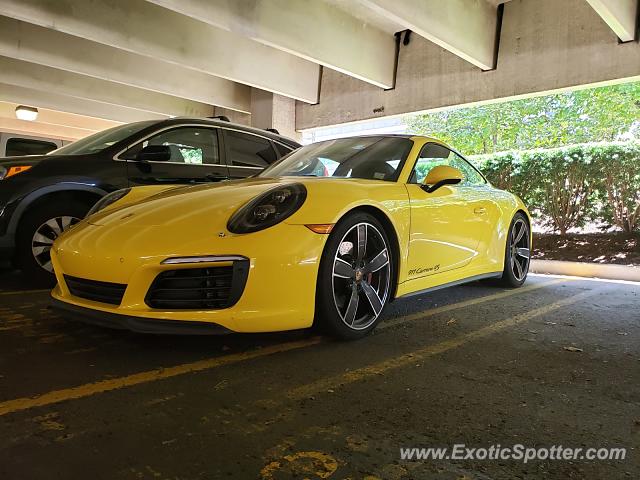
38, 230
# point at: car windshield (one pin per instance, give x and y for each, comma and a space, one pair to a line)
372, 158
101, 140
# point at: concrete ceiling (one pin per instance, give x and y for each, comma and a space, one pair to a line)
157, 58
367, 16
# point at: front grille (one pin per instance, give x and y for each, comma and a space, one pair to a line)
104, 292
198, 288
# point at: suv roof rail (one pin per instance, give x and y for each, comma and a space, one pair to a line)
223, 118
272, 130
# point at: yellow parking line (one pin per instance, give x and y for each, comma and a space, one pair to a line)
18, 292
145, 377
467, 303
94, 388
411, 358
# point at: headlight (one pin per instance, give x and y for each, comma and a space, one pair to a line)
108, 200
268, 209
3, 173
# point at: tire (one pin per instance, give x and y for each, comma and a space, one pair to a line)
517, 252
36, 232
350, 277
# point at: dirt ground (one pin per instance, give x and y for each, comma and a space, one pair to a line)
618, 248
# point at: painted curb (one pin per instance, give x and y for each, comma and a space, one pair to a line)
581, 269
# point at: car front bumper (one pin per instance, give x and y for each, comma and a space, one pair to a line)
135, 324
279, 292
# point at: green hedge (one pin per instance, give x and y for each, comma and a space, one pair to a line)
569, 186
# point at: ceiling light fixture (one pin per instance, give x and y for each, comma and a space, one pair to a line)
26, 113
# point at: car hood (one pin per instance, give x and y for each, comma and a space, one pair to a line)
188, 205
213, 205
169, 221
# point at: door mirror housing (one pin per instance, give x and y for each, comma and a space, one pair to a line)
440, 176
154, 153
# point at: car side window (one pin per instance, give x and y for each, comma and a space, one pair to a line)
25, 146
433, 155
470, 175
191, 145
246, 150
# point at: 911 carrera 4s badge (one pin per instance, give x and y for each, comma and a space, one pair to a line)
424, 270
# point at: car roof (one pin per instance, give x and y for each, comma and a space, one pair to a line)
229, 125
408, 136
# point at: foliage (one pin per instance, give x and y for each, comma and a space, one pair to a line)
566, 187
620, 193
600, 114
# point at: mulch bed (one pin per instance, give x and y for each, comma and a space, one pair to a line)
618, 248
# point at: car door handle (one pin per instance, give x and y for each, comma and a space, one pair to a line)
479, 210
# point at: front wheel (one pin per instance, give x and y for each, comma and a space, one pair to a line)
518, 252
38, 230
354, 279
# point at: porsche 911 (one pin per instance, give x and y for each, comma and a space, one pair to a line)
325, 237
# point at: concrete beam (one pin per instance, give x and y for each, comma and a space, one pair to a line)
620, 15
466, 28
64, 103
313, 30
58, 50
546, 46
140, 27
47, 79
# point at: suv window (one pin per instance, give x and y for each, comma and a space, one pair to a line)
433, 155
104, 139
246, 150
282, 150
26, 146
191, 145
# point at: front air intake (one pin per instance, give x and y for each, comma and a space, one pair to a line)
207, 288
104, 292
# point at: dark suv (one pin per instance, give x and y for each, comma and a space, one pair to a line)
42, 195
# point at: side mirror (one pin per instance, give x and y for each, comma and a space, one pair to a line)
439, 176
154, 153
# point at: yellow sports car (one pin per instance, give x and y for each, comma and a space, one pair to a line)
327, 236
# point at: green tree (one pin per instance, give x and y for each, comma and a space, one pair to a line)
598, 114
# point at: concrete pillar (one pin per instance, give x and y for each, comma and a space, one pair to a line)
270, 110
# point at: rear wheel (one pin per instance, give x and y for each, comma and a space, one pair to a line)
518, 252
354, 279
38, 230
